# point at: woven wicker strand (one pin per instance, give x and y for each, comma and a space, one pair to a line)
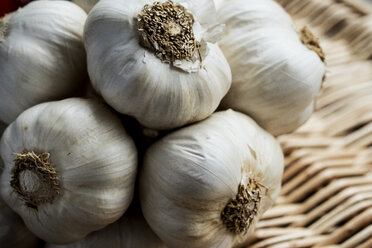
326, 198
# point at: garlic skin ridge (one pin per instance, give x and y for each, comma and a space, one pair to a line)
275, 77
69, 168
131, 230
42, 55
134, 81
189, 177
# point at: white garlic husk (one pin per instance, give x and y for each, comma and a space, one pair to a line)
42, 55
275, 76
86, 5
191, 179
219, 3
162, 88
130, 231
69, 168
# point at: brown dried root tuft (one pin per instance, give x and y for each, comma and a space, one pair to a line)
167, 29
239, 213
4, 27
311, 42
34, 179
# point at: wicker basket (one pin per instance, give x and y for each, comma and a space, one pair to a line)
326, 198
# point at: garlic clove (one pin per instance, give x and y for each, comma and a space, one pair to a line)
69, 168
193, 179
42, 55
141, 78
275, 76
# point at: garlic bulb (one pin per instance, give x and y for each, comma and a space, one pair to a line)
69, 168
130, 231
42, 55
157, 62
206, 185
13, 232
276, 72
86, 5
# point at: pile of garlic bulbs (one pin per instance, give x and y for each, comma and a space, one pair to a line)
120, 123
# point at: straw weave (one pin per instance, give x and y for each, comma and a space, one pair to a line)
326, 198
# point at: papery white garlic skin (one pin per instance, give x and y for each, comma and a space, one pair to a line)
86, 5
130, 231
134, 81
219, 3
95, 163
42, 55
275, 77
189, 176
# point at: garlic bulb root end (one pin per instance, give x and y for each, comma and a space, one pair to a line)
4, 27
239, 213
311, 42
34, 178
166, 28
